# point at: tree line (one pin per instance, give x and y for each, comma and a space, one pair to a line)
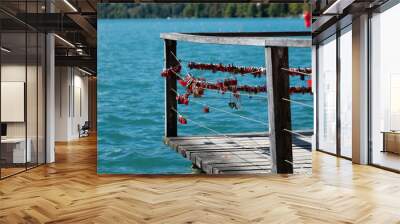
197, 10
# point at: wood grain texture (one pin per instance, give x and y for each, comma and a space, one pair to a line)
171, 117
245, 41
279, 115
238, 153
70, 191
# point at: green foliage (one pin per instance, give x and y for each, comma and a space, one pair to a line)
197, 10
295, 9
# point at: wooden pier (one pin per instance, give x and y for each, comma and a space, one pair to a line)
238, 154
283, 151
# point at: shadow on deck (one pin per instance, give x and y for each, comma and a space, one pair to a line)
238, 153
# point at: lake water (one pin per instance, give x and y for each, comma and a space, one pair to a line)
131, 91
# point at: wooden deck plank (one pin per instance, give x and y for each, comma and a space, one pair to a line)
237, 153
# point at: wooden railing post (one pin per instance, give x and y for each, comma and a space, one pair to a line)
171, 126
278, 110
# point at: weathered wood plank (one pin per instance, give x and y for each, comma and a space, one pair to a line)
256, 34
246, 41
236, 155
250, 135
244, 172
279, 114
171, 119
254, 169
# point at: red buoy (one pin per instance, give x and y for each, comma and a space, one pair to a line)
309, 83
307, 18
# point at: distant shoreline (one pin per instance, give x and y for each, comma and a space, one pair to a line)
200, 10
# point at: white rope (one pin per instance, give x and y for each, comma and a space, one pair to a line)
238, 115
296, 102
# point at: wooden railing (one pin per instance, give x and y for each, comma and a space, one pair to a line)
276, 57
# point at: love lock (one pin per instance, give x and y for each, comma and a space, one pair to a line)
233, 105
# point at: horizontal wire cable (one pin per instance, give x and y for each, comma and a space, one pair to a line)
289, 162
210, 129
174, 91
258, 95
299, 103
302, 167
226, 136
219, 97
201, 125
217, 90
304, 100
179, 61
298, 72
226, 98
242, 94
295, 133
177, 74
250, 95
263, 72
263, 69
238, 115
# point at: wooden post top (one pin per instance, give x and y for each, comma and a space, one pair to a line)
263, 39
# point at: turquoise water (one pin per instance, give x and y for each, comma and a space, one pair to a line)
131, 91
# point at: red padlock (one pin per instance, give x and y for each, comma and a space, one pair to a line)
182, 120
182, 82
185, 100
